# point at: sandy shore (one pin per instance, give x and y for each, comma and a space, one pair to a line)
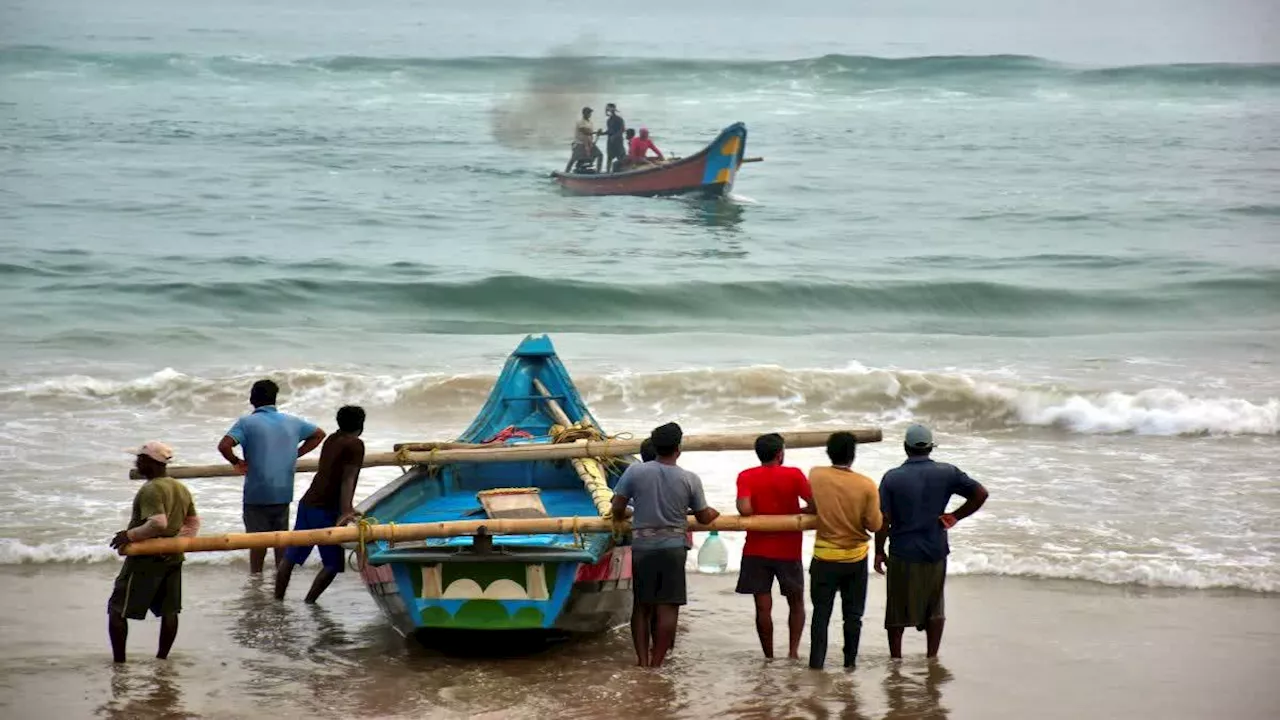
1014, 649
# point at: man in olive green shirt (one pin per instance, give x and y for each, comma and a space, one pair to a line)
162, 508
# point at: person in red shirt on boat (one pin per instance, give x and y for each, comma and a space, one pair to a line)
773, 489
640, 147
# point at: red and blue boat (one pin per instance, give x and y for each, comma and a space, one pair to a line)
709, 173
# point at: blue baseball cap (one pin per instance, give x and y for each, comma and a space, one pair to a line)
919, 437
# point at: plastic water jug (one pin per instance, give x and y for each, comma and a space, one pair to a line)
713, 556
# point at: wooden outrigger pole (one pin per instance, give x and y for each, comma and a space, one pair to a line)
454, 528
409, 454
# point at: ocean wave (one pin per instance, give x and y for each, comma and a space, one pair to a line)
838, 69
746, 396
564, 305
1116, 568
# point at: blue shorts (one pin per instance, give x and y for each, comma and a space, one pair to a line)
313, 518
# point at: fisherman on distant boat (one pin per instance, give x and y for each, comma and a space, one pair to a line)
329, 502
162, 508
640, 147
615, 126
272, 441
584, 150
662, 494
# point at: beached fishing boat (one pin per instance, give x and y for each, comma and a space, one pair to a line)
709, 173
576, 582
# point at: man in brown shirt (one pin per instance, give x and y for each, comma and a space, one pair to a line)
328, 502
848, 508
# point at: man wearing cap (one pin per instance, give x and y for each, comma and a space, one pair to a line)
272, 441
584, 143
661, 494
161, 508
913, 500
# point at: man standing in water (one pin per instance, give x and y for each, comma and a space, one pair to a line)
848, 513
329, 502
661, 494
162, 508
914, 497
773, 489
270, 440
614, 129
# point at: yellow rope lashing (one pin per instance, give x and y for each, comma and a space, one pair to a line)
363, 529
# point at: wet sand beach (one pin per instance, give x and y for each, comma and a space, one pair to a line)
1014, 648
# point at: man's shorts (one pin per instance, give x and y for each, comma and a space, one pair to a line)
266, 518
313, 518
147, 583
914, 593
657, 575
757, 574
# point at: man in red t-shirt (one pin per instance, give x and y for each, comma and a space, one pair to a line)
772, 489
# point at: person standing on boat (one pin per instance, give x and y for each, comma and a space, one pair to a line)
162, 508
584, 143
913, 498
329, 502
614, 129
773, 489
848, 509
272, 441
661, 495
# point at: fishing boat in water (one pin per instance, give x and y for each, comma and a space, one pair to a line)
709, 173
573, 582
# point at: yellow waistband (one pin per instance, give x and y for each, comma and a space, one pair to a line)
823, 550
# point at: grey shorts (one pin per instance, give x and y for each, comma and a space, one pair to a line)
266, 518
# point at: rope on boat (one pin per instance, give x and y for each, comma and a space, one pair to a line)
362, 539
591, 471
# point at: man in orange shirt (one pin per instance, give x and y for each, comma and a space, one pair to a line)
848, 507
772, 489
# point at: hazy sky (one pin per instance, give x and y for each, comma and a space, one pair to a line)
1081, 31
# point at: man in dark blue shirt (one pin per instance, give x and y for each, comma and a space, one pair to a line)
913, 500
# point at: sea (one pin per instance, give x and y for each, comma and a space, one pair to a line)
1049, 233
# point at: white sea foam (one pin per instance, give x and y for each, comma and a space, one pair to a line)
718, 395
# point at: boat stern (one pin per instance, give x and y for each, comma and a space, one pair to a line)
503, 594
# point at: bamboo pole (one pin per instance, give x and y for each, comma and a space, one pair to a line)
543, 451
422, 531
589, 470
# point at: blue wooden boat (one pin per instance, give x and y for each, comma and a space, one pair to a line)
554, 582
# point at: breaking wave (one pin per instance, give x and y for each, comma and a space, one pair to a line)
744, 396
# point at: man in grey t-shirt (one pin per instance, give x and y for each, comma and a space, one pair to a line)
662, 494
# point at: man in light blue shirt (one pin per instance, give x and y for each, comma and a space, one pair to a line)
270, 440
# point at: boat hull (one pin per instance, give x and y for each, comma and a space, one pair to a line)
581, 598
709, 173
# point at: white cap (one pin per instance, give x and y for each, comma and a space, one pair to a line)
156, 450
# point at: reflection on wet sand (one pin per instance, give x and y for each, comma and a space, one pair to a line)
241, 654
145, 690
914, 691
